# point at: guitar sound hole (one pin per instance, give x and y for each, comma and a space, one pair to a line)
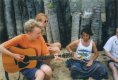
24, 63
26, 59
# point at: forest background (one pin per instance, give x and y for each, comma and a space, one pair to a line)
66, 18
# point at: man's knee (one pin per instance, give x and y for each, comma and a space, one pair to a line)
39, 73
46, 69
112, 66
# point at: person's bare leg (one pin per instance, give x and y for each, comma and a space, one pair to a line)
39, 75
47, 70
114, 70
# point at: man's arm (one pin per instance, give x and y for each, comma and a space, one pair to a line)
12, 42
72, 45
107, 53
94, 55
108, 47
4, 50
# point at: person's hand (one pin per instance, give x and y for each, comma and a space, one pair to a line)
89, 63
74, 56
19, 57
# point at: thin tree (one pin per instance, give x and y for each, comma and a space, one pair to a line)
75, 8
50, 10
2, 28
18, 17
9, 18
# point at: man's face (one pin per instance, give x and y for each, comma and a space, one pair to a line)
85, 36
35, 33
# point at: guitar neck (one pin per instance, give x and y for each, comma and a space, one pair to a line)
65, 55
40, 57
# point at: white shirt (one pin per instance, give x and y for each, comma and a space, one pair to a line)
85, 51
112, 46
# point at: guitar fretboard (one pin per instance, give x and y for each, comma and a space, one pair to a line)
65, 55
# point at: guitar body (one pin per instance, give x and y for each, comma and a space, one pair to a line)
9, 63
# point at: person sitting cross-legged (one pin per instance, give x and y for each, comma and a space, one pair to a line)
83, 63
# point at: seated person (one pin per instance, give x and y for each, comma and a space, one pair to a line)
43, 20
83, 63
111, 50
31, 39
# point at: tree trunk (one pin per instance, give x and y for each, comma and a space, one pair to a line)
117, 13
23, 10
87, 6
111, 16
9, 18
52, 17
75, 8
2, 28
31, 8
67, 20
96, 25
60, 18
39, 6
18, 18
75, 26
48, 28
49, 34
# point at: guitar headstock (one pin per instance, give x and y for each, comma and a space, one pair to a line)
68, 55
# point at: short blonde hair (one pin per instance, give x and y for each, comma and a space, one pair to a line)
39, 16
30, 24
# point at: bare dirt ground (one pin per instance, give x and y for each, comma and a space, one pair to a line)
60, 72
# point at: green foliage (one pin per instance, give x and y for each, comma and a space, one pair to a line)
50, 5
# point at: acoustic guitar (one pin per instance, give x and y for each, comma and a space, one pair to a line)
11, 65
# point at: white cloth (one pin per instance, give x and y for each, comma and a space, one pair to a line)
112, 46
84, 51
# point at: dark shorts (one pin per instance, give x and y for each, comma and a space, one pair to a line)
115, 64
110, 61
30, 73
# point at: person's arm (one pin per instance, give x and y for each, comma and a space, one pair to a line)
71, 46
107, 53
6, 51
107, 48
94, 55
12, 42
